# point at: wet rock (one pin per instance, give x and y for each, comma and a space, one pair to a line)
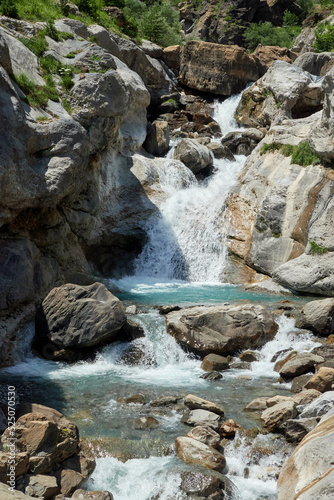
320, 406
74, 316
318, 316
322, 381
81, 463
194, 452
205, 485
298, 383
258, 404
308, 473
196, 403
296, 430
279, 364
206, 435
39, 485
201, 417
215, 68
229, 428
166, 401
214, 362
300, 364
249, 356
138, 399
221, 329
242, 143
195, 156
143, 423
212, 376
219, 151
274, 418
131, 309
157, 139
92, 495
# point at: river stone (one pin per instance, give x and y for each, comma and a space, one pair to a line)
39, 485
306, 396
6, 494
80, 316
92, 495
296, 430
192, 451
211, 376
309, 470
137, 399
277, 399
221, 329
318, 316
249, 356
205, 485
201, 417
258, 404
322, 381
219, 151
40, 432
229, 428
157, 139
214, 362
274, 418
298, 383
166, 401
196, 403
206, 435
320, 406
143, 423
197, 157
21, 464
300, 364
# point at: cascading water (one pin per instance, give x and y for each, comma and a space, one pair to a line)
187, 241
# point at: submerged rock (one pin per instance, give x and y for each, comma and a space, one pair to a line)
221, 329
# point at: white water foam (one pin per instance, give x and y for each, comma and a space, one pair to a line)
187, 241
138, 479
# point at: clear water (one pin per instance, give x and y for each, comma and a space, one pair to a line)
181, 264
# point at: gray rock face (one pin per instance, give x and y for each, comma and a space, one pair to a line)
197, 157
296, 430
318, 316
320, 406
7, 494
315, 64
72, 316
308, 473
221, 329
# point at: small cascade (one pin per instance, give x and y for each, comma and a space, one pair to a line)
187, 241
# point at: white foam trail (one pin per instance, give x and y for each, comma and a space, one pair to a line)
224, 114
138, 479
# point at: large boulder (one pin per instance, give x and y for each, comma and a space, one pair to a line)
316, 64
216, 68
7, 494
192, 451
197, 157
318, 316
74, 316
308, 473
275, 417
221, 329
266, 55
299, 364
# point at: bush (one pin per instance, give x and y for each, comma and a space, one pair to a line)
8, 8
324, 37
160, 24
267, 34
316, 249
304, 155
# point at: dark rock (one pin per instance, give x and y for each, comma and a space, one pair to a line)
214, 362
296, 430
166, 401
249, 356
298, 383
212, 376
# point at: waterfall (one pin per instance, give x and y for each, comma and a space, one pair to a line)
186, 241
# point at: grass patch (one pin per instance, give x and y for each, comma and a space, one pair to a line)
302, 155
37, 44
42, 119
316, 249
66, 105
37, 95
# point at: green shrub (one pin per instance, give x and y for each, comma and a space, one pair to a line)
270, 148
324, 37
304, 155
267, 34
8, 8
287, 149
316, 249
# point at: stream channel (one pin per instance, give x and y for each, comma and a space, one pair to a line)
181, 264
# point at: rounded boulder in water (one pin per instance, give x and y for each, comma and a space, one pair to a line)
76, 317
